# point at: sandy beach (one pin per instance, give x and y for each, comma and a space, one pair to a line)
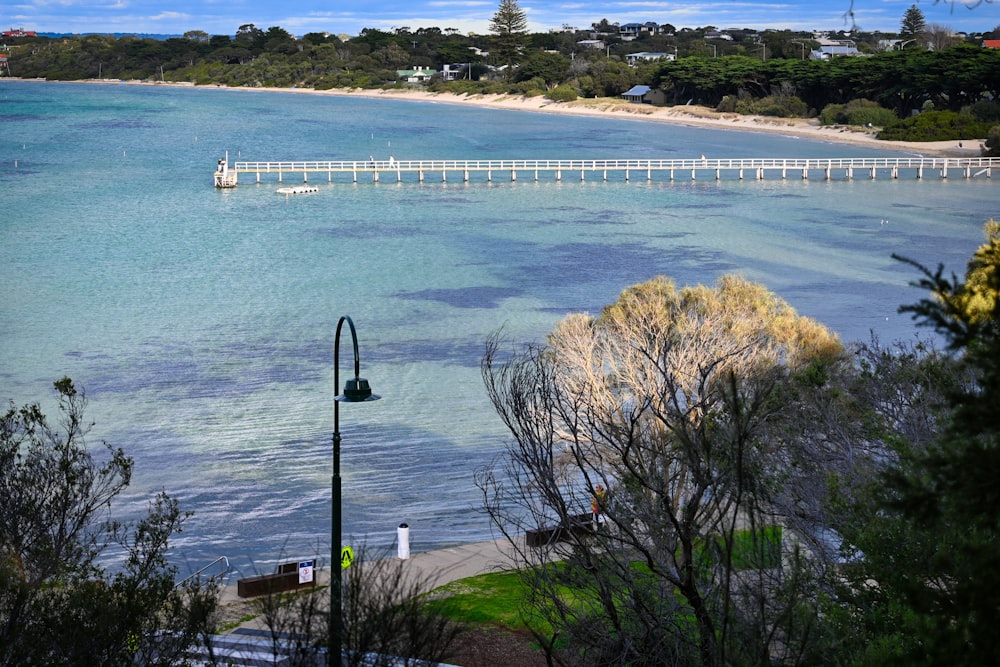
608, 107
684, 115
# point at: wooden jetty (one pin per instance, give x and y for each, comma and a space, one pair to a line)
692, 169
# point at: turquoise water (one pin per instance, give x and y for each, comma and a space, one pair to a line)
201, 322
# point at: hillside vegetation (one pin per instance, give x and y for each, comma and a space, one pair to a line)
885, 89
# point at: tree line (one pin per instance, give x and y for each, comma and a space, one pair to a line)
748, 77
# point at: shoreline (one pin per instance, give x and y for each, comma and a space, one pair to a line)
614, 108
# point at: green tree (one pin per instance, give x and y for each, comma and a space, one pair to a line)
951, 488
605, 27
509, 27
992, 143
976, 299
913, 24
550, 67
278, 40
58, 603
251, 37
892, 400
921, 586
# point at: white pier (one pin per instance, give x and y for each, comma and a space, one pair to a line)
691, 169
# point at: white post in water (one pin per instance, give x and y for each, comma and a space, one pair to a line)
403, 539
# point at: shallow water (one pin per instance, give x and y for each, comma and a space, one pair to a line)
201, 322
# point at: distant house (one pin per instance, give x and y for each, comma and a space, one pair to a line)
455, 71
645, 95
829, 48
634, 58
631, 31
716, 34
991, 43
591, 44
415, 75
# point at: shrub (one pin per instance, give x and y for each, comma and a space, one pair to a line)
857, 112
727, 104
785, 106
563, 93
781, 106
832, 114
985, 111
532, 87
935, 126
993, 142
466, 87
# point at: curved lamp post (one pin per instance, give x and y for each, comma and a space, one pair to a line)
356, 390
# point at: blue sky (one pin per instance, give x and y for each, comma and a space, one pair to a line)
303, 16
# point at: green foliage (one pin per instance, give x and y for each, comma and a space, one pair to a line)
781, 106
935, 126
509, 27
993, 142
951, 79
531, 88
921, 585
563, 93
727, 104
860, 112
551, 68
900, 80
912, 24
977, 298
985, 111
509, 18
54, 496
757, 549
466, 87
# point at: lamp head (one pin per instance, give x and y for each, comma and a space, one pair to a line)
357, 390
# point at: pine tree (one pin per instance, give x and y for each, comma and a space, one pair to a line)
510, 25
913, 23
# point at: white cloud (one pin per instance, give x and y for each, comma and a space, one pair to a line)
171, 16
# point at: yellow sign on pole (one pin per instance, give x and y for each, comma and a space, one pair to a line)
346, 557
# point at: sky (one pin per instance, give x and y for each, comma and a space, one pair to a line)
224, 17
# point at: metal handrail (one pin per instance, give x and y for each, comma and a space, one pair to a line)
617, 164
224, 571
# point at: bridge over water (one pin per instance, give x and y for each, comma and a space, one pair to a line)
731, 168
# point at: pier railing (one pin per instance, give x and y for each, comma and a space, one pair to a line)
693, 168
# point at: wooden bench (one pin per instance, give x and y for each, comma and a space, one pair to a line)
286, 578
579, 525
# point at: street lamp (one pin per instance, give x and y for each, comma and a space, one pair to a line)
356, 390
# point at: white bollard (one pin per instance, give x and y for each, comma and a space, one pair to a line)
403, 540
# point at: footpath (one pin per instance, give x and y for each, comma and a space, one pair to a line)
438, 568
248, 642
